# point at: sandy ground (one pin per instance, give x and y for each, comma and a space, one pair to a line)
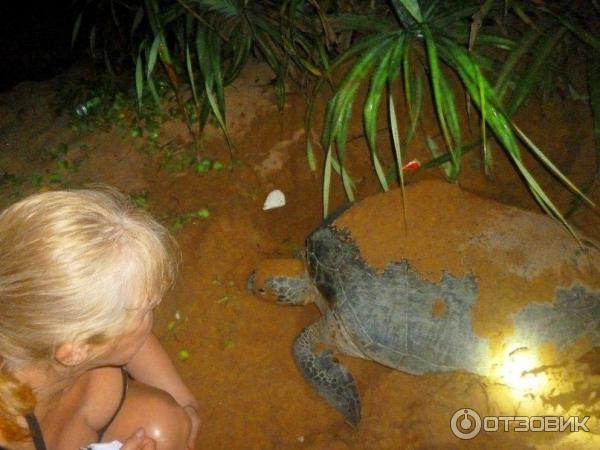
240, 365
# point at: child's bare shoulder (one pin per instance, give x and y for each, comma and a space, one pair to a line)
86, 408
101, 396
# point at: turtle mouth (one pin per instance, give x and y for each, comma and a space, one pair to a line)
251, 285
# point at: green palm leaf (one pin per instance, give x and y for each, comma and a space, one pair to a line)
387, 70
499, 123
410, 6
444, 104
535, 70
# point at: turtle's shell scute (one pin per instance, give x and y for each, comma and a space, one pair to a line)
389, 313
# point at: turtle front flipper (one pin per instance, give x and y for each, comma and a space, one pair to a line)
331, 379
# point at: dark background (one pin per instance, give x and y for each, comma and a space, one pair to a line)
35, 39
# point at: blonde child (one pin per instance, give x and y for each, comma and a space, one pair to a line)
80, 274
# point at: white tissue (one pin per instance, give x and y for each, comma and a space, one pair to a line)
275, 199
114, 445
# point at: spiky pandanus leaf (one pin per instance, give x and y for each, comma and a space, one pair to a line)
385, 73
373, 60
543, 52
593, 75
413, 92
407, 11
339, 108
504, 130
445, 106
210, 41
593, 82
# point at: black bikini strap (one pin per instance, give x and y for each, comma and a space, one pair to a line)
36, 432
102, 430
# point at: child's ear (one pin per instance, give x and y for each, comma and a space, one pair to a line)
71, 354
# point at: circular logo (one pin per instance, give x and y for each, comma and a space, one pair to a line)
465, 423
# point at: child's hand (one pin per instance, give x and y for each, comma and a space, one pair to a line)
195, 421
139, 441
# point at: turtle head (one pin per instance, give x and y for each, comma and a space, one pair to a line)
283, 280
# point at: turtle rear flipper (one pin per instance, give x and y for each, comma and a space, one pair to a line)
326, 374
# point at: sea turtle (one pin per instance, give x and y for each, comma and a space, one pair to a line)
458, 283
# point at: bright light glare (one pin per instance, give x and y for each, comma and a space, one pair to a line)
513, 372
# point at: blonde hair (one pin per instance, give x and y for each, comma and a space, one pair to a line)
74, 266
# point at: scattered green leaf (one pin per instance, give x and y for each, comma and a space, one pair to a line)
223, 300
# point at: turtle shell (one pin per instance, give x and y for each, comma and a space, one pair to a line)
447, 280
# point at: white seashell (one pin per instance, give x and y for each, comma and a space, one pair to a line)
275, 199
